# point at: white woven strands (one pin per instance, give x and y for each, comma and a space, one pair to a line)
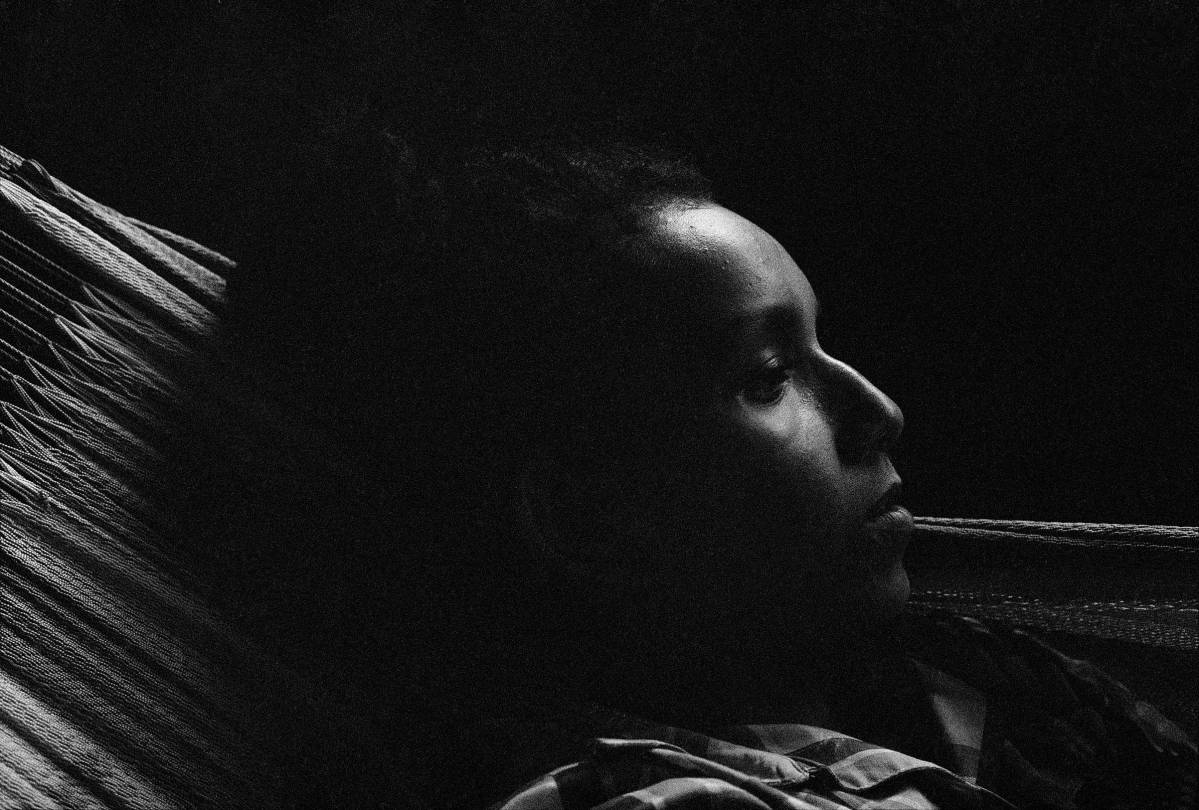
1138, 584
115, 676
155, 248
120, 687
162, 301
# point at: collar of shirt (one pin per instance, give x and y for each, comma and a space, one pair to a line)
792, 766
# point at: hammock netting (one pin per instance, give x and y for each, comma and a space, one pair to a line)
121, 686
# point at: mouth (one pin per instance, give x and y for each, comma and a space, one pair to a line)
888, 525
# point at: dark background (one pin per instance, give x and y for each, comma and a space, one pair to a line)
996, 201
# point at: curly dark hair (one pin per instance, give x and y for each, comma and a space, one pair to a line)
435, 316
544, 251
486, 285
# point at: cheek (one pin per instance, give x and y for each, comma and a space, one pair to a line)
778, 472
793, 447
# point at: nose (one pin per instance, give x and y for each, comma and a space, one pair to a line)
868, 421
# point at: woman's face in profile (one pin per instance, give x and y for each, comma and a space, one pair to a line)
782, 451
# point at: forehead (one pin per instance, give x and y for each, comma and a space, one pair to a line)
725, 269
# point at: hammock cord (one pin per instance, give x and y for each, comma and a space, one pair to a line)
122, 687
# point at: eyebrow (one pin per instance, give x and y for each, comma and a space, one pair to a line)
777, 317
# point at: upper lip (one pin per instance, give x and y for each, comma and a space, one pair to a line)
888, 501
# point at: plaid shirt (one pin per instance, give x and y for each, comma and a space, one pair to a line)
1017, 719
793, 766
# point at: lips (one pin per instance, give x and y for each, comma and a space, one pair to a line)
886, 503
895, 520
888, 525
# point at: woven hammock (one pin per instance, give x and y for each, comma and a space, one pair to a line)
120, 686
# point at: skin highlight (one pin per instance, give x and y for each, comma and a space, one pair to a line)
748, 487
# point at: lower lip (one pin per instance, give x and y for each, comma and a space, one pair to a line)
889, 530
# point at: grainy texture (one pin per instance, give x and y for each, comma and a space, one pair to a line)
993, 198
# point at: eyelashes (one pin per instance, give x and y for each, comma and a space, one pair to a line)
768, 384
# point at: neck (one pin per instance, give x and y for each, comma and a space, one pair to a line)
676, 672
671, 651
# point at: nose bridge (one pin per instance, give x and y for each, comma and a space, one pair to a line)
868, 420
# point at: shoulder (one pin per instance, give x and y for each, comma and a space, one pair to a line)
829, 771
1016, 666
1057, 726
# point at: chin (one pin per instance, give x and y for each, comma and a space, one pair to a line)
876, 604
893, 590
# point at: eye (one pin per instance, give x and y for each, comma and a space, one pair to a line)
768, 383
